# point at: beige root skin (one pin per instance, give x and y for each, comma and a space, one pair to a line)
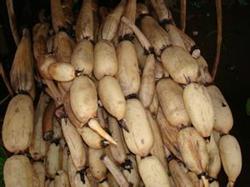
150, 59
95, 125
69, 112
161, 9
85, 22
111, 23
115, 171
75, 144
54, 92
143, 40
130, 13
157, 35
205, 181
230, 184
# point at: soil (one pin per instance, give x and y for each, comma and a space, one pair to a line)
233, 77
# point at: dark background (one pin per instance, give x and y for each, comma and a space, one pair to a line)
233, 76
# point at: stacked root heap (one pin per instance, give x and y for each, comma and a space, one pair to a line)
123, 104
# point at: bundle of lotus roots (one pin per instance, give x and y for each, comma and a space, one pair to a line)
127, 100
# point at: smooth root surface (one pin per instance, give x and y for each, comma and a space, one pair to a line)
147, 88
38, 145
128, 68
39, 170
181, 66
52, 161
18, 124
179, 175
193, 150
105, 59
18, 171
152, 172
118, 151
139, 139
91, 138
97, 168
75, 144
172, 104
230, 156
223, 115
158, 146
214, 165
83, 98
61, 71
83, 57
199, 107
112, 97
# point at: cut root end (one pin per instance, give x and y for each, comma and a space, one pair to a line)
94, 125
205, 181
